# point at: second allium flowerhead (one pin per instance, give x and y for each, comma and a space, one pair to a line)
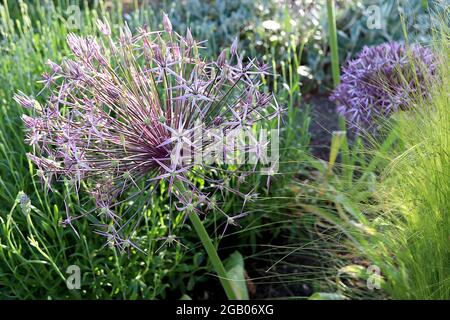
120, 112
382, 80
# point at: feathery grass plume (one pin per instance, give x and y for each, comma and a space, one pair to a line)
121, 115
382, 80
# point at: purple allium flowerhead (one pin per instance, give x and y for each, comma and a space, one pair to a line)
119, 114
382, 80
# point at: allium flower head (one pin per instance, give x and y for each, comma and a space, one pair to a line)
382, 80
120, 114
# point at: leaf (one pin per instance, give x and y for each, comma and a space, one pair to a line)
337, 140
234, 266
327, 296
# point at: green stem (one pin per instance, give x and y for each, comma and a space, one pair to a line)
333, 42
213, 256
210, 249
424, 4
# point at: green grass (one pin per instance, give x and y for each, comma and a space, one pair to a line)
413, 249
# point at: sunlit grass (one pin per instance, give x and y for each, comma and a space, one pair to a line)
413, 249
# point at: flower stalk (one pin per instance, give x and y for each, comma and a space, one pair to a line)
213, 256
332, 34
210, 249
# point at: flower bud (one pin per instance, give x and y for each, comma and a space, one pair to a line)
189, 38
221, 59
234, 46
24, 100
166, 23
104, 27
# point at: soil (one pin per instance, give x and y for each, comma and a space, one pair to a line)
262, 284
324, 120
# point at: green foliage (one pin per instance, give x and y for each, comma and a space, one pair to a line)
276, 31
357, 26
332, 196
35, 252
236, 272
218, 22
